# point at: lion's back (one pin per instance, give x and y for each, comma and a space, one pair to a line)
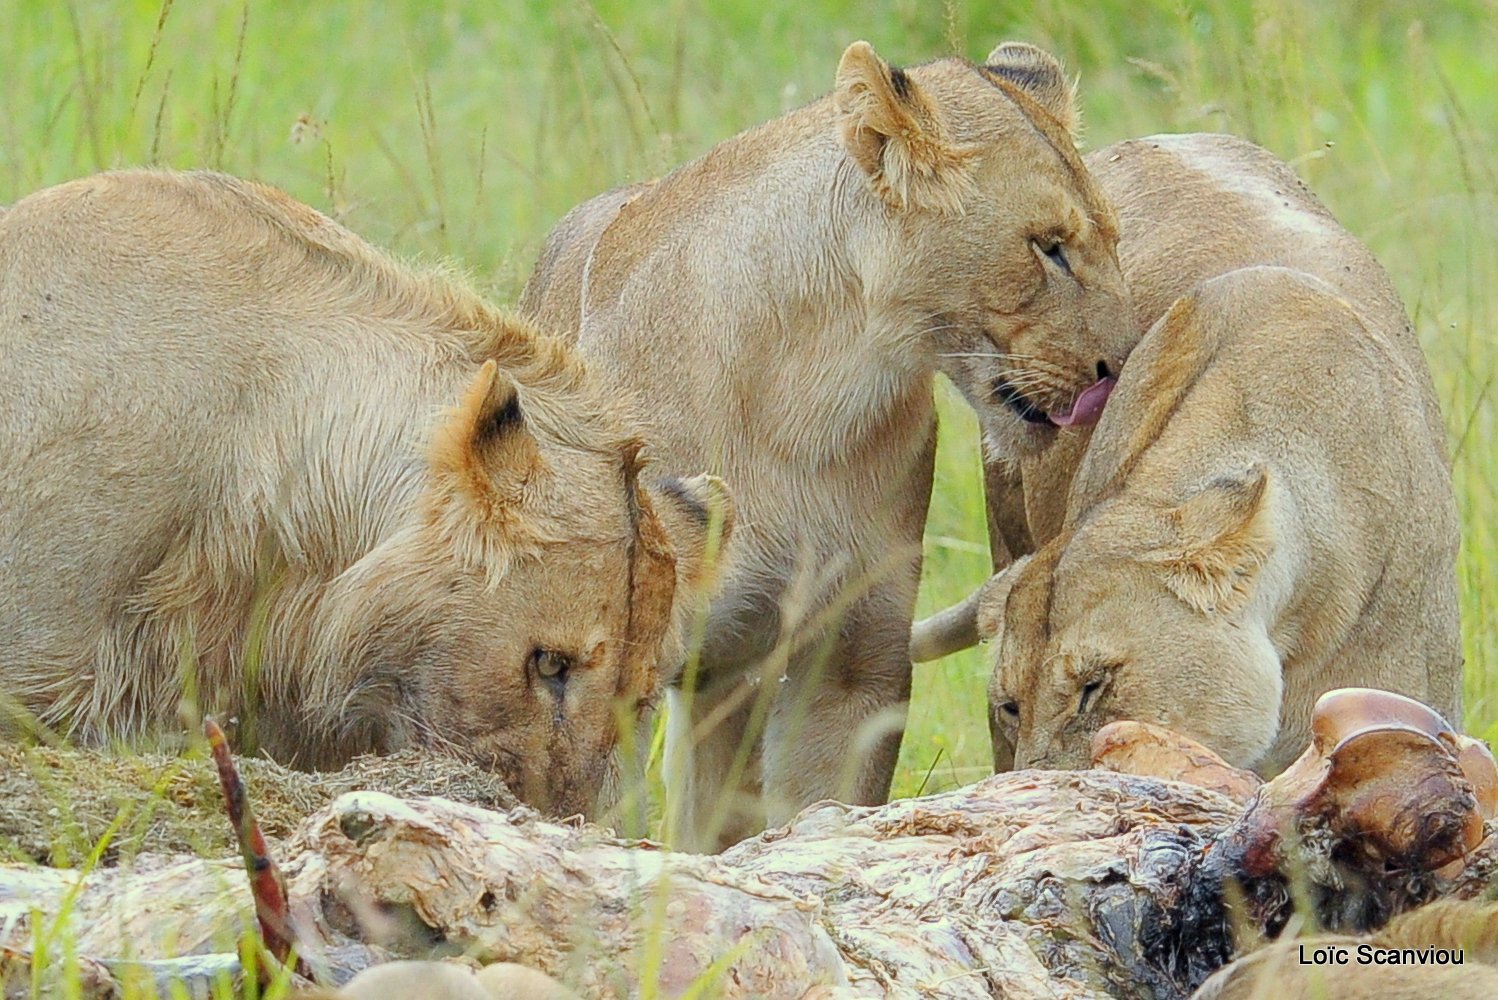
185, 354
1198, 205
553, 295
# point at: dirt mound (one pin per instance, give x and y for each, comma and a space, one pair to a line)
60, 806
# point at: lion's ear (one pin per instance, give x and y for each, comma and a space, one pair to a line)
698, 515
1040, 76
1223, 536
893, 132
483, 451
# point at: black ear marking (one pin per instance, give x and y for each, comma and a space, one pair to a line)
502, 419
899, 80
500, 413
1039, 75
682, 495
1245, 485
1026, 77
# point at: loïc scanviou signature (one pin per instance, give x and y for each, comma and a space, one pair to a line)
1370, 954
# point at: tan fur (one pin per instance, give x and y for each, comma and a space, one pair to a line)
1277, 972
254, 463
784, 302
411, 980
1233, 546
1036, 77
1192, 207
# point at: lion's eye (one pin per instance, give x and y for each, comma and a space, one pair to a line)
551, 667
1054, 252
1089, 694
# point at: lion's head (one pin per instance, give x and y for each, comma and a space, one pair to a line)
536, 609
1139, 614
978, 166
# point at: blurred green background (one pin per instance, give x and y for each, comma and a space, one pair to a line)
464, 130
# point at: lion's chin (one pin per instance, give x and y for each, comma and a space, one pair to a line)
1004, 434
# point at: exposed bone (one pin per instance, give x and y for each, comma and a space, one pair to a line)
1477, 763
1381, 776
981, 890
1141, 748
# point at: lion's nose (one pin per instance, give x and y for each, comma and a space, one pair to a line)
1043, 751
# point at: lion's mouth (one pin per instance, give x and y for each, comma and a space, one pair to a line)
1087, 407
1022, 405
1083, 410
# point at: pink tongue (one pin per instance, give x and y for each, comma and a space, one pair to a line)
1088, 406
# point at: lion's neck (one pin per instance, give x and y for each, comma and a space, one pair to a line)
812, 364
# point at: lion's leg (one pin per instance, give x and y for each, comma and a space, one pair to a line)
1004, 496
712, 767
834, 730
835, 724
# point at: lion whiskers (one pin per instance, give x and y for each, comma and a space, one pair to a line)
1028, 370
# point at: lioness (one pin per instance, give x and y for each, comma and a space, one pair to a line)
229, 472
1446, 949
784, 301
1239, 538
1190, 207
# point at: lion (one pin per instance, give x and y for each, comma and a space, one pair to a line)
255, 466
785, 302
1190, 207
1446, 949
1238, 538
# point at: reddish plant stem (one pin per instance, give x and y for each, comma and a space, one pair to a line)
267, 884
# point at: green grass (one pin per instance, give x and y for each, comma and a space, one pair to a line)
465, 130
